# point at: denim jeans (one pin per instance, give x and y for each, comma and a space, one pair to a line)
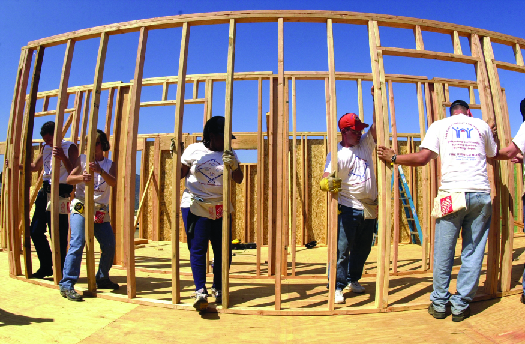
354, 242
523, 280
475, 224
39, 223
106, 239
204, 230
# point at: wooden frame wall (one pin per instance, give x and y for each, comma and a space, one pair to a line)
492, 104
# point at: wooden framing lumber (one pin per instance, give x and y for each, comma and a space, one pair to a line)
506, 170
396, 176
143, 196
85, 118
155, 196
456, 43
228, 106
260, 178
176, 175
419, 38
131, 163
426, 54
294, 178
109, 114
13, 140
332, 131
76, 117
425, 178
89, 206
26, 155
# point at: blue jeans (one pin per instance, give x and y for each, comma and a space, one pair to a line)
475, 221
354, 242
106, 239
523, 280
199, 231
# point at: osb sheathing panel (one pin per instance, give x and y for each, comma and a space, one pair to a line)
316, 218
316, 210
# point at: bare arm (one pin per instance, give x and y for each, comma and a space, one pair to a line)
110, 177
76, 176
508, 152
184, 170
237, 175
420, 158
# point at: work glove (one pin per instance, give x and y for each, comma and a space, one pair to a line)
229, 159
331, 183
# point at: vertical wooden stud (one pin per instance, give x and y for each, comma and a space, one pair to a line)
85, 118
109, 115
226, 180
396, 177
334, 163
155, 192
76, 117
90, 157
518, 55
419, 38
456, 43
260, 178
294, 177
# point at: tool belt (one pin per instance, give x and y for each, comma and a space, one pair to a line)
101, 210
370, 208
64, 192
447, 203
210, 210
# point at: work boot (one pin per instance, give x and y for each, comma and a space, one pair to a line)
201, 300
437, 315
461, 316
41, 273
71, 294
107, 284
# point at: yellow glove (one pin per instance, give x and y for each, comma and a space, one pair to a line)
229, 159
331, 183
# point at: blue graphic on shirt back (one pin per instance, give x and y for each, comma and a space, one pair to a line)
461, 130
211, 170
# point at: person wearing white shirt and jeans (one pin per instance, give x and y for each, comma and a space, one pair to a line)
464, 143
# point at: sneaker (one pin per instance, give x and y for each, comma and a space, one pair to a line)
201, 300
41, 273
339, 297
522, 299
217, 294
355, 287
461, 316
107, 284
437, 315
71, 294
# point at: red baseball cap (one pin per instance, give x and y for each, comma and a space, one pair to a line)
351, 120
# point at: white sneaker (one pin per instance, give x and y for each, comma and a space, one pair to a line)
217, 294
339, 298
201, 300
355, 287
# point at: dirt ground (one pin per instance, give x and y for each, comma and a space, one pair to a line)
34, 314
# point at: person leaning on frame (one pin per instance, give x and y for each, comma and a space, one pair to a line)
355, 182
104, 177
463, 202
203, 164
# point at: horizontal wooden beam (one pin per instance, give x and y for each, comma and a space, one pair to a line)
456, 82
171, 102
426, 54
52, 112
510, 66
273, 16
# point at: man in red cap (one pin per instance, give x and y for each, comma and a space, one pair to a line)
355, 182
463, 202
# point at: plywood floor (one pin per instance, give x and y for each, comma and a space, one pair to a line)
305, 292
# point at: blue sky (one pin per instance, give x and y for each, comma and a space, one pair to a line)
305, 49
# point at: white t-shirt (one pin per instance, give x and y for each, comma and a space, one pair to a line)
519, 140
204, 179
102, 189
463, 143
47, 156
356, 170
